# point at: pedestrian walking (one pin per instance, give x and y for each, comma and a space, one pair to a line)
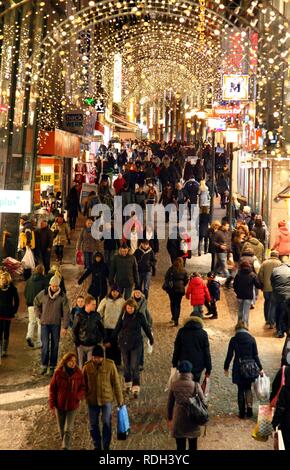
110, 310
191, 344
9, 303
102, 384
88, 244
214, 291
214, 227
66, 390
175, 281
264, 276
222, 249
182, 426
280, 281
129, 333
244, 284
124, 271
242, 346
88, 330
146, 262
35, 284
281, 418
79, 307
100, 273
60, 237
203, 229
52, 308
142, 307
73, 206
282, 241
44, 241
198, 294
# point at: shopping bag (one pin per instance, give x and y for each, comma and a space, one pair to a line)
262, 387
275, 399
13, 266
174, 375
123, 423
80, 258
264, 428
28, 259
149, 347
205, 386
278, 440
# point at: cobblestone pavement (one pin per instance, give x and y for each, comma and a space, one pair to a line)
148, 413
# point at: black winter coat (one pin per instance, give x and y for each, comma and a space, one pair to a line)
281, 417
43, 239
88, 329
204, 221
214, 289
146, 260
280, 280
244, 282
124, 271
188, 171
35, 284
179, 278
100, 274
129, 331
191, 344
9, 302
191, 189
243, 346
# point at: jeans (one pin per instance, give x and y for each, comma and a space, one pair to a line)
50, 341
59, 252
175, 305
245, 397
269, 308
73, 219
205, 246
145, 279
198, 310
65, 423
101, 442
33, 321
88, 258
4, 334
221, 264
131, 361
280, 313
244, 309
212, 261
181, 444
84, 354
45, 256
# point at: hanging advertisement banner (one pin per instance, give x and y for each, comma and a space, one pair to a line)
235, 87
15, 202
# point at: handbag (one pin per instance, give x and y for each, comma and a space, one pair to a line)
174, 375
123, 423
248, 367
275, 399
168, 283
263, 428
80, 257
197, 409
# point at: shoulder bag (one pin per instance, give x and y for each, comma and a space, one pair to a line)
248, 367
197, 409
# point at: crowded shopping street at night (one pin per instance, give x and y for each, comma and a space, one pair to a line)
145, 227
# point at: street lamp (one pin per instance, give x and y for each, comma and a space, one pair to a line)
231, 138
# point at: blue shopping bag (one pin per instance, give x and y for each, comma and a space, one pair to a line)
123, 424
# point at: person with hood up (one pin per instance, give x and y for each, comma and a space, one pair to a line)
282, 241
88, 330
198, 293
52, 307
182, 426
88, 244
281, 418
129, 333
9, 303
110, 310
244, 284
242, 346
100, 273
146, 261
35, 284
191, 344
124, 271
66, 390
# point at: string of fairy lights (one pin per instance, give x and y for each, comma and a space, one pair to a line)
165, 45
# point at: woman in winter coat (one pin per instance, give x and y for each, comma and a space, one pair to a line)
142, 306
198, 293
182, 426
61, 235
281, 418
242, 346
204, 197
110, 310
244, 284
129, 333
282, 241
192, 344
253, 243
176, 279
199, 171
35, 284
223, 188
215, 226
88, 244
66, 390
204, 222
9, 303
100, 274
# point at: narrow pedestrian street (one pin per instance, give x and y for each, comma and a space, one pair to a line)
24, 393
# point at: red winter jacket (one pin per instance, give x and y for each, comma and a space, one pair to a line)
118, 184
197, 291
65, 392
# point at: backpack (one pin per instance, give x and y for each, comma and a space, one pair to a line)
27, 238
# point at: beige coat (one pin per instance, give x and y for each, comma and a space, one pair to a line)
102, 383
266, 272
256, 246
63, 234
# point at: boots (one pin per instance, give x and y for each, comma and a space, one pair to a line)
249, 413
128, 387
5, 347
136, 391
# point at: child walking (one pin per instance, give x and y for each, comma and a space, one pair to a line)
214, 289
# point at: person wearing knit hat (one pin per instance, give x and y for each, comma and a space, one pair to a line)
264, 276
52, 307
184, 367
102, 384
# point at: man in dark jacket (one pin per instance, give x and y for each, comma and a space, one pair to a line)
44, 240
244, 284
51, 306
146, 262
190, 190
88, 330
281, 417
191, 344
35, 284
124, 271
73, 206
280, 280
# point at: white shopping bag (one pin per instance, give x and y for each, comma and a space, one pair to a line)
262, 387
28, 259
174, 375
149, 347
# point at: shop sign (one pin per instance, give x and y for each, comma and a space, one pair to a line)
15, 202
227, 110
100, 106
74, 122
47, 178
235, 87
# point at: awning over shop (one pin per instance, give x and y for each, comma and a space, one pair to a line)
60, 143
